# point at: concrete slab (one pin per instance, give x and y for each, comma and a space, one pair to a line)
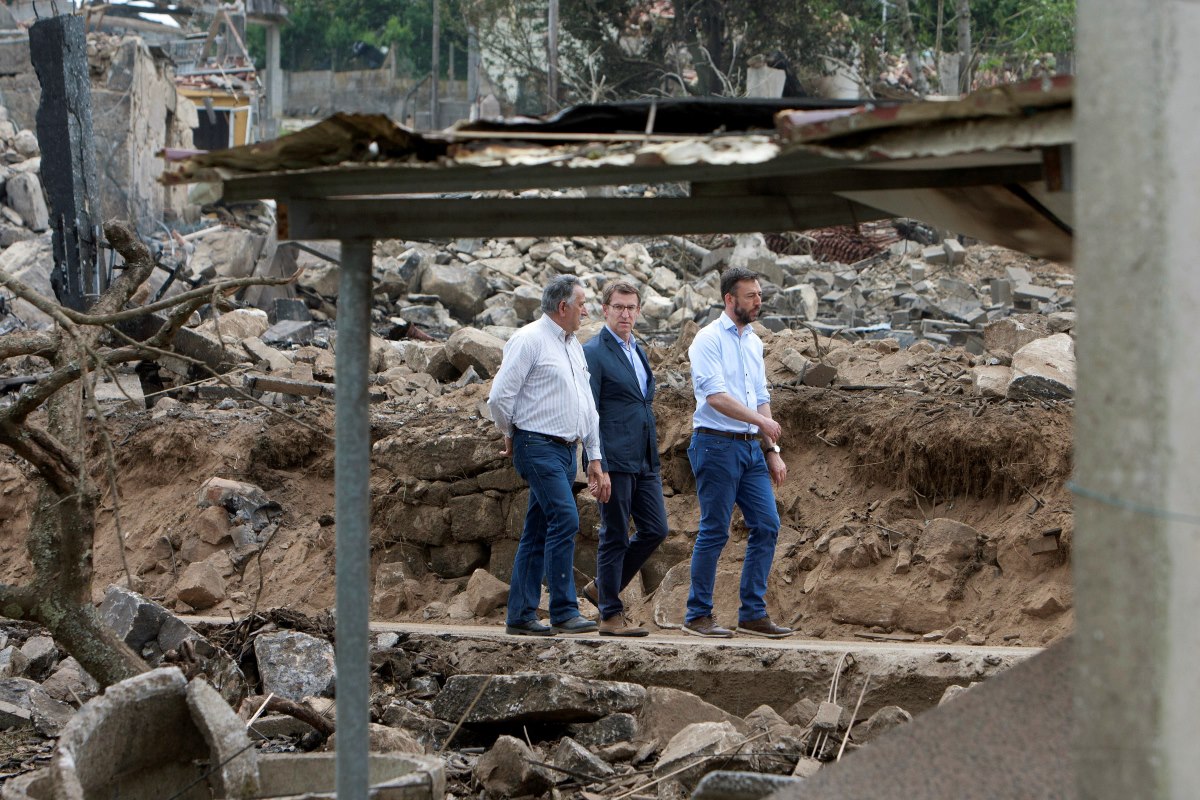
1007, 738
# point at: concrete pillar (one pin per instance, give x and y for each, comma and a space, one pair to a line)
274, 83
1137, 536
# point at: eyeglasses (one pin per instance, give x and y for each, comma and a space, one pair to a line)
620, 309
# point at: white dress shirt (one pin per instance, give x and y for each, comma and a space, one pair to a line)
543, 386
724, 361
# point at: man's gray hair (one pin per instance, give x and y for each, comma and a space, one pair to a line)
559, 290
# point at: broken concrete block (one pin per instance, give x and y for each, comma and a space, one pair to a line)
820, 375
27, 199
684, 757
289, 331
945, 545
384, 739
1045, 602
904, 553
666, 711
1012, 333
462, 289
1018, 275
289, 308
991, 381
579, 761
505, 770
526, 302
41, 656
1044, 368
200, 586
267, 356
233, 326
468, 347
1001, 291
935, 254
534, 697
1032, 293
234, 765
70, 683
620, 727
13, 663
485, 593
295, 665
955, 253
48, 715
881, 722
146, 626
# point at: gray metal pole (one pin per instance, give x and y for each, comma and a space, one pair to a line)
352, 478
552, 57
436, 66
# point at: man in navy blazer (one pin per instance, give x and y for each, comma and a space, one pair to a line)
623, 387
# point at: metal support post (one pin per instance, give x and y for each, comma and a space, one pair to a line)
352, 480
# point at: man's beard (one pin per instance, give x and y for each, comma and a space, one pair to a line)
743, 316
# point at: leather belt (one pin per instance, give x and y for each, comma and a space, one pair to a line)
741, 437
548, 437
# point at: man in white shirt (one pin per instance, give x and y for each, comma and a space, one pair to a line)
733, 408
541, 400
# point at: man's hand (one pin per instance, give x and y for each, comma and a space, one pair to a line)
770, 428
777, 468
507, 451
598, 482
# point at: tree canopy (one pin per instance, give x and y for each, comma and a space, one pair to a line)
618, 49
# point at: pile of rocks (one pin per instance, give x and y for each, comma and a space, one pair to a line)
23, 214
577, 733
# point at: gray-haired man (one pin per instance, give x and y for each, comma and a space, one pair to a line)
542, 402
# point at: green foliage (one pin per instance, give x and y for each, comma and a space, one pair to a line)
320, 34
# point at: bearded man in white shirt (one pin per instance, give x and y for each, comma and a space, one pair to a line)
541, 400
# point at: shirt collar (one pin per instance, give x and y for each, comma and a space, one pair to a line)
727, 323
557, 329
620, 341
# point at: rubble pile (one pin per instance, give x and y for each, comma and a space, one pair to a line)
483, 734
23, 214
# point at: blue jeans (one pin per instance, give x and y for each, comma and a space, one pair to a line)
547, 545
730, 471
618, 558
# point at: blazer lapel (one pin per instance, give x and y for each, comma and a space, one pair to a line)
649, 372
619, 354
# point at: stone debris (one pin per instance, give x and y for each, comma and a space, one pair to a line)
531, 696
295, 665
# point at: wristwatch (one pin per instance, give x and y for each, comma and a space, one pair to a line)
774, 448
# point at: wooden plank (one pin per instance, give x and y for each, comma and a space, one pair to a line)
384, 218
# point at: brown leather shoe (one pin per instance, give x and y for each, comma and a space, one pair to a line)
589, 591
619, 625
706, 626
764, 627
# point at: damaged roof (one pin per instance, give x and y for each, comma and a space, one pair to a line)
994, 165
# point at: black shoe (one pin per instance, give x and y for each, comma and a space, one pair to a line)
530, 628
576, 625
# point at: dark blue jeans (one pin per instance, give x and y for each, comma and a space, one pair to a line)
730, 471
547, 545
618, 558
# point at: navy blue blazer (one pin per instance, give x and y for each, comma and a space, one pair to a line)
627, 432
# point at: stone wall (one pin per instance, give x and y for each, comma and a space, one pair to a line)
136, 112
